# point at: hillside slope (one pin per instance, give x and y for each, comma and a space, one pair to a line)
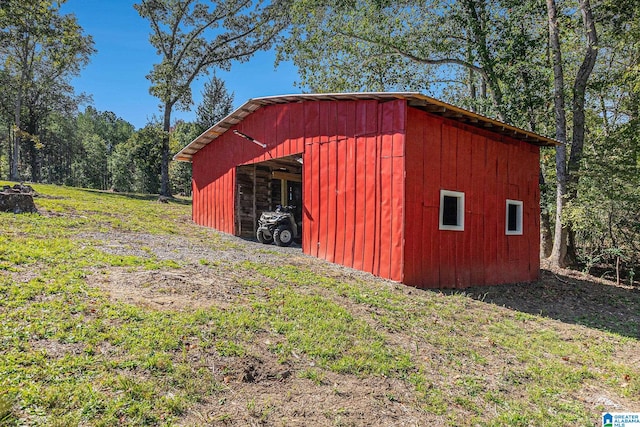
118, 310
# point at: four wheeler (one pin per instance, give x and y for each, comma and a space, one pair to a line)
280, 226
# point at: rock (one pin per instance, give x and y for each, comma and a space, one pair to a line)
22, 188
17, 202
605, 401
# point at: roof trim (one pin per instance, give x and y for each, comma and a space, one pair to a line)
413, 99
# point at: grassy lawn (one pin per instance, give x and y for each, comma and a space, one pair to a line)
203, 331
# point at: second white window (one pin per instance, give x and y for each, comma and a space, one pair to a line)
513, 224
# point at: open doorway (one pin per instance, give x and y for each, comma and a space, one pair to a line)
262, 187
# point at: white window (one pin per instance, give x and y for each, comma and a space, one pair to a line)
451, 210
513, 217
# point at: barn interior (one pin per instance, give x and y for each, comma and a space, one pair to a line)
265, 185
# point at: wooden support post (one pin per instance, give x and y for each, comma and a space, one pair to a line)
238, 209
283, 192
253, 209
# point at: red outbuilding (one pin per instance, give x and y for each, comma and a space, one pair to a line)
396, 184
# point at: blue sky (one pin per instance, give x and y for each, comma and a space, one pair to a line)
115, 77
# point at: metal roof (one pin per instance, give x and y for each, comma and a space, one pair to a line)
414, 99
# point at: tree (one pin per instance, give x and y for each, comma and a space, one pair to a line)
99, 133
40, 49
44, 98
454, 49
567, 172
180, 172
60, 148
606, 213
191, 37
504, 58
217, 103
6, 115
136, 162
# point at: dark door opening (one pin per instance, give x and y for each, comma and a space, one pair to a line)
264, 186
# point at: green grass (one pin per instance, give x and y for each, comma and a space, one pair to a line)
69, 355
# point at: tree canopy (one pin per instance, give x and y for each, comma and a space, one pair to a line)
191, 37
40, 50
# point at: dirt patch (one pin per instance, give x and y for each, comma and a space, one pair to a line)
185, 289
354, 402
261, 391
55, 349
208, 278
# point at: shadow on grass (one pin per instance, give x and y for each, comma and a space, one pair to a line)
572, 300
136, 196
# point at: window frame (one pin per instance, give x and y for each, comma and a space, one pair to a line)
519, 218
459, 195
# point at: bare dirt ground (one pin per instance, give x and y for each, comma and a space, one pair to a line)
262, 391
197, 285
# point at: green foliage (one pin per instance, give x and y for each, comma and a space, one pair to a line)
195, 36
91, 169
136, 163
488, 57
6, 409
217, 103
606, 214
493, 58
40, 50
192, 37
180, 172
99, 133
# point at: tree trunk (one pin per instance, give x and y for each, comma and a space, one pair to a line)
564, 253
546, 238
559, 250
14, 173
32, 149
579, 90
165, 188
9, 149
25, 51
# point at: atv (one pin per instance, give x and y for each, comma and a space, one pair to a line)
280, 227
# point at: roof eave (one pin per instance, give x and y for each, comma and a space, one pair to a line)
414, 99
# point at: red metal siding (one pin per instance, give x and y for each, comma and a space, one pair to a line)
442, 154
354, 184
214, 166
213, 203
